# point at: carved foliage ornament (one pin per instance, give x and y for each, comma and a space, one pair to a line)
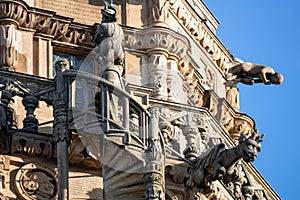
157, 38
36, 182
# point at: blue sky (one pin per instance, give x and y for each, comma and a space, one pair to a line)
267, 32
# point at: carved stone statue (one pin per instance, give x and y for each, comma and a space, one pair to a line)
108, 41
213, 164
110, 51
250, 73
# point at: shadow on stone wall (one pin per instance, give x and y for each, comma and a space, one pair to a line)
95, 194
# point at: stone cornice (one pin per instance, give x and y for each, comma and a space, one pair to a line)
199, 31
63, 30
45, 23
270, 193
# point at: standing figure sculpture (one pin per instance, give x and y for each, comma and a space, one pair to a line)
108, 42
109, 48
250, 73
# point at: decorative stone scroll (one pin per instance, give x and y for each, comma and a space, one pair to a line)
36, 182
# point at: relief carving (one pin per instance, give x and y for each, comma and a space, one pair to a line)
60, 132
241, 126
158, 76
32, 145
36, 182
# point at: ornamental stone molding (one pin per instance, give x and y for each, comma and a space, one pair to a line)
199, 31
61, 29
45, 23
158, 39
32, 145
36, 182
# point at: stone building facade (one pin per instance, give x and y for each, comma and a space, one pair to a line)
166, 126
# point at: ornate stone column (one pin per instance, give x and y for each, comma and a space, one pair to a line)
174, 83
8, 42
30, 103
61, 133
158, 75
190, 132
154, 175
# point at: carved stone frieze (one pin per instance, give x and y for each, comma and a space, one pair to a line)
157, 39
45, 23
32, 144
232, 96
192, 81
201, 33
36, 182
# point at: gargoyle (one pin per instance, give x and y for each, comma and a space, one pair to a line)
250, 73
213, 164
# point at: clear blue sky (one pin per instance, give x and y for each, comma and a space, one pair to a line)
267, 32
